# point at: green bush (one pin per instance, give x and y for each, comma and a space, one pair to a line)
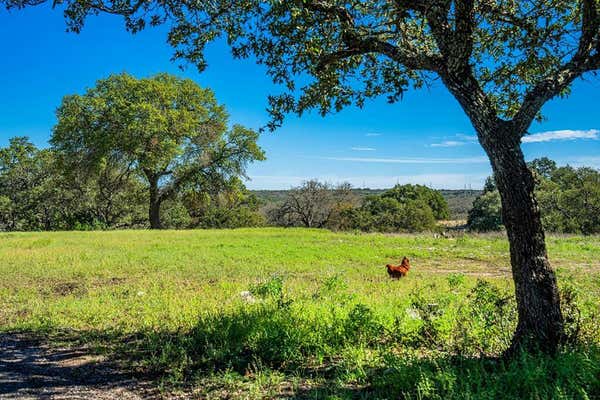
486, 214
230, 206
387, 214
568, 198
422, 195
443, 346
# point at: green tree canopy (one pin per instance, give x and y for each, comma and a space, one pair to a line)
404, 208
430, 197
173, 133
486, 213
569, 200
230, 205
544, 167
22, 184
37, 192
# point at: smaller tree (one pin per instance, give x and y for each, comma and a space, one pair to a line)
489, 185
404, 208
170, 131
387, 214
543, 167
420, 193
26, 187
569, 200
39, 191
486, 213
314, 204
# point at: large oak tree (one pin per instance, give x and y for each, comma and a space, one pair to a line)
501, 59
170, 131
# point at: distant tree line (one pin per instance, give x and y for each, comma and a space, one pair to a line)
37, 193
568, 198
159, 152
154, 152
404, 208
40, 190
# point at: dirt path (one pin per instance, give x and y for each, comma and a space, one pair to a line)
31, 370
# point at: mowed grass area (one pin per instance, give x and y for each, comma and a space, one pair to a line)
324, 320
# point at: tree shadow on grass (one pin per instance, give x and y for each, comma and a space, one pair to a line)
267, 351
30, 368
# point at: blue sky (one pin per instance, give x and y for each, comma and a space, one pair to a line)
424, 139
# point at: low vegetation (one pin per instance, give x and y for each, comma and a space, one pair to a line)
262, 313
39, 190
44, 189
459, 201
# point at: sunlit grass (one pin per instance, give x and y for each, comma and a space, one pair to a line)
326, 320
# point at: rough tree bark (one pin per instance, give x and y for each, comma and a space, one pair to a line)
154, 215
540, 322
155, 202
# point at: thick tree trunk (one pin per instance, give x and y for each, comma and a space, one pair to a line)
154, 215
540, 323
155, 202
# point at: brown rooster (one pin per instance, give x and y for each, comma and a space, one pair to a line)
398, 271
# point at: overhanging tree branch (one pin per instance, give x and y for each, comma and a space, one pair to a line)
585, 59
463, 31
356, 43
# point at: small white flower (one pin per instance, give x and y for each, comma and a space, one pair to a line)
247, 297
412, 313
140, 293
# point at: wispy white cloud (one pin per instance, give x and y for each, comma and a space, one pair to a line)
410, 160
448, 143
371, 134
438, 181
566, 134
359, 148
460, 139
467, 138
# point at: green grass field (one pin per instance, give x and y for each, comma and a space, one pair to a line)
324, 320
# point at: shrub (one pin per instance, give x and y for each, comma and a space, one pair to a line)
387, 214
486, 214
568, 198
229, 206
421, 194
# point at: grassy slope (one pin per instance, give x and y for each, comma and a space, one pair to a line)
337, 306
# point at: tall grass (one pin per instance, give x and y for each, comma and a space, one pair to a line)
265, 313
